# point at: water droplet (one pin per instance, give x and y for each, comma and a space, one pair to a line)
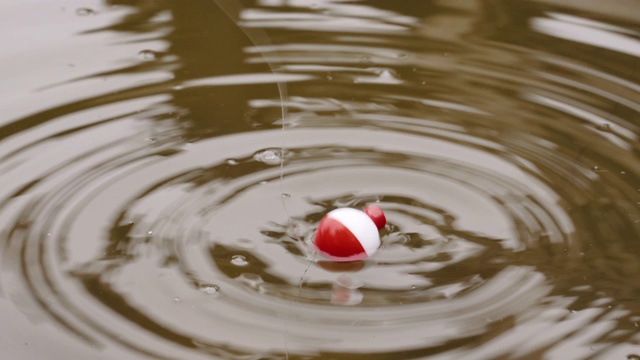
150, 233
623, 173
252, 280
231, 162
85, 11
269, 157
239, 260
604, 127
285, 195
210, 289
329, 77
147, 55
177, 299
423, 82
151, 140
263, 182
401, 55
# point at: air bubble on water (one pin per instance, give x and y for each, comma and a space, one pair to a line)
269, 157
604, 127
385, 76
210, 289
150, 233
177, 299
365, 60
147, 55
239, 260
263, 182
231, 162
252, 280
285, 195
401, 55
85, 11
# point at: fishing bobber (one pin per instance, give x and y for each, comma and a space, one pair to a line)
348, 234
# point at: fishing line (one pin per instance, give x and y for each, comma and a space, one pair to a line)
232, 9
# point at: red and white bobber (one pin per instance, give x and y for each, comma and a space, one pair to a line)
348, 234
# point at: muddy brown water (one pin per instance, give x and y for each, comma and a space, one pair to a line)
164, 165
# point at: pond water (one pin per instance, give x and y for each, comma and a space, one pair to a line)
164, 165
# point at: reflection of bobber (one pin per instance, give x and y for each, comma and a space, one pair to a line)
341, 267
347, 234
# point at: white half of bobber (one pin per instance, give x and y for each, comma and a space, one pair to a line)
360, 225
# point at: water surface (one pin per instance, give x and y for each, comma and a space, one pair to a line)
164, 165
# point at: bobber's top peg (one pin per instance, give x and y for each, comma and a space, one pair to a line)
376, 215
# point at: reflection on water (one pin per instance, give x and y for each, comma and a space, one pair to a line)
149, 211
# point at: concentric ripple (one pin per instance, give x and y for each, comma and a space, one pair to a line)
170, 215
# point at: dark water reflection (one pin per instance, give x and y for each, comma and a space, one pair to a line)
145, 212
